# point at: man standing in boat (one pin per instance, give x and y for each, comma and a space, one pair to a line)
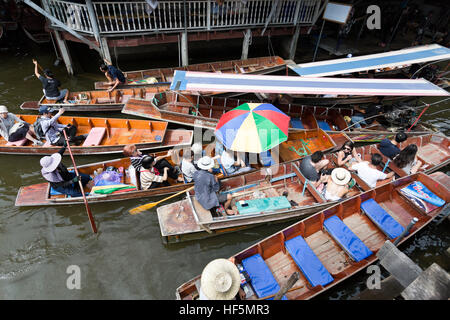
114, 75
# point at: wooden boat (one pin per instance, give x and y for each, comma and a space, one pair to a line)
96, 101
316, 249
260, 65
205, 111
39, 194
188, 220
105, 136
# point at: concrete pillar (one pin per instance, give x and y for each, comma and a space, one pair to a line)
246, 44
184, 49
293, 43
62, 45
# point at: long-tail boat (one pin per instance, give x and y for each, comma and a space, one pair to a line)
205, 111
331, 246
41, 194
105, 136
99, 100
260, 65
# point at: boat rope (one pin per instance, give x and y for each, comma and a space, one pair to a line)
426, 105
433, 62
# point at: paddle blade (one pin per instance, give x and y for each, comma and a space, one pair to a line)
142, 208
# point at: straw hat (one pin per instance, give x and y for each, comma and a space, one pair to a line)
340, 176
3, 109
220, 280
205, 163
50, 163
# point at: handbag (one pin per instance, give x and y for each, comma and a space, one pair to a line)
16, 127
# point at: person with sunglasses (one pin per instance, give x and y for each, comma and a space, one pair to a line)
347, 154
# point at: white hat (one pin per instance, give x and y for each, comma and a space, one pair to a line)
220, 280
197, 148
340, 176
205, 163
50, 163
3, 109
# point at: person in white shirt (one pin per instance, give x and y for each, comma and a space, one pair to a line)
188, 168
368, 172
230, 165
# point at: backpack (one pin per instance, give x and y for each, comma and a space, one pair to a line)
40, 134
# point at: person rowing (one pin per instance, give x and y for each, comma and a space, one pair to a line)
50, 85
114, 75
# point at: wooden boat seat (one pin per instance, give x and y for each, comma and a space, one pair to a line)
382, 219
261, 205
348, 241
104, 100
17, 143
95, 137
262, 278
307, 261
297, 123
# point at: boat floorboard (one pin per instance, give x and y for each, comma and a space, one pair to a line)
365, 230
433, 154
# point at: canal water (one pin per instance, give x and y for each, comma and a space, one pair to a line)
126, 259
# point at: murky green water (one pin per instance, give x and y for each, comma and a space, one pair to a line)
126, 259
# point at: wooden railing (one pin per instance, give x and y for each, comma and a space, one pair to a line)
173, 16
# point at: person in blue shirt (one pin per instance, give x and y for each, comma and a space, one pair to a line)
114, 75
390, 147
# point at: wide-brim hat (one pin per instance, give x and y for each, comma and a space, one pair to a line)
205, 163
3, 109
220, 280
50, 163
340, 176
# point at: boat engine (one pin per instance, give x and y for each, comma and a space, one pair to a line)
401, 115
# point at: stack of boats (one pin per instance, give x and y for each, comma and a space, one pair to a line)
319, 244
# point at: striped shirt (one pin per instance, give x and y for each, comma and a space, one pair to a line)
148, 177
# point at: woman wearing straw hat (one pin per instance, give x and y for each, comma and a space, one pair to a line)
206, 187
338, 185
13, 129
60, 179
220, 280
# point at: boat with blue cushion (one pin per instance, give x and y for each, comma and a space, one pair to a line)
334, 244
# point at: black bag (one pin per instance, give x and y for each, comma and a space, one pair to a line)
40, 134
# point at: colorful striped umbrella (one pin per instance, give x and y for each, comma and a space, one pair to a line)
253, 127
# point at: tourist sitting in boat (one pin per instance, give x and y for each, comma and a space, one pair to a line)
368, 171
53, 130
206, 187
232, 165
13, 129
187, 167
136, 158
365, 116
51, 85
311, 167
407, 159
347, 154
60, 179
150, 176
338, 184
390, 147
114, 75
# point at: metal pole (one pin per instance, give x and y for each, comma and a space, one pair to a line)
404, 233
318, 41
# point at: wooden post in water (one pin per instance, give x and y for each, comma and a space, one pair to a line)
291, 281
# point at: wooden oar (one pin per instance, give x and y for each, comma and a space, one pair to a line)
150, 205
88, 210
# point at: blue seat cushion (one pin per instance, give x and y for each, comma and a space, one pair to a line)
297, 123
266, 158
53, 192
308, 262
346, 239
382, 219
324, 125
261, 277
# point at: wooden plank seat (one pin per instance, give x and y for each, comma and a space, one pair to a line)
348, 241
17, 143
382, 219
94, 137
307, 261
262, 279
324, 125
297, 123
263, 204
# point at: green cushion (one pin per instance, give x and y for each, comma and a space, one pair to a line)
263, 204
